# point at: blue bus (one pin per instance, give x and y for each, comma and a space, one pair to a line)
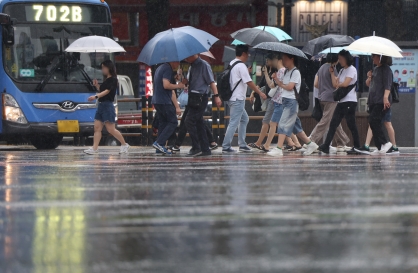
44, 89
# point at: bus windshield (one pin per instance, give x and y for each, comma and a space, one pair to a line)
39, 52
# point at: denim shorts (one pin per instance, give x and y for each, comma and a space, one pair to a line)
106, 112
289, 122
269, 112
277, 113
388, 116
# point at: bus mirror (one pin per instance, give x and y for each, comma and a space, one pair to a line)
8, 35
5, 19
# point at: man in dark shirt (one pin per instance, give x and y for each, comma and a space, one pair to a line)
201, 76
165, 102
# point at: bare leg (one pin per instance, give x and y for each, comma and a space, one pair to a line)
296, 140
304, 137
272, 133
391, 132
290, 141
98, 127
369, 137
281, 141
263, 134
110, 127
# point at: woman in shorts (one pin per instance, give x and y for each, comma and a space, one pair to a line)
106, 114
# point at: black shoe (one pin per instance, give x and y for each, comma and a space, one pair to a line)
208, 153
363, 150
194, 152
324, 150
393, 151
175, 148
352, 151
288, 147
213, 147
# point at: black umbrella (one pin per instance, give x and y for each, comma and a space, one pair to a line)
253, 36
315, 46
280, 47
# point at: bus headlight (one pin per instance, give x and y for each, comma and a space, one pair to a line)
12, 111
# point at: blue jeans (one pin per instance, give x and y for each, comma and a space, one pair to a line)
290, 122
167, 122
239, 119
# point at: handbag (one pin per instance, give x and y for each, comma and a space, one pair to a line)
394, 91
273, 91
195, 100
341, 92
258, 102
183, 98
317, 110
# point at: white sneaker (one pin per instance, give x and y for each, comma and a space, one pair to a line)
124, 149
332, 150
311, 148
376, 152
342, 149
91, 151
275, 152
386, 147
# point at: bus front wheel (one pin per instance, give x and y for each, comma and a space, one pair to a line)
46, 142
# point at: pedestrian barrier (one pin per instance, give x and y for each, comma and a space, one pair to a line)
219, 121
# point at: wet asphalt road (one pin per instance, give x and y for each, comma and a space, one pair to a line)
63, 211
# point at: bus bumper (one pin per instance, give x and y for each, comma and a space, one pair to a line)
12, 128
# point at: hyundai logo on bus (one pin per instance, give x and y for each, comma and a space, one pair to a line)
27, 73
68, 105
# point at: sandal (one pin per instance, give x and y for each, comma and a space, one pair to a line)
294, 149
262, 148
253, 145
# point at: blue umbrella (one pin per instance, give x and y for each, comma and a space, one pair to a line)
175, 45
277, 32
337, 50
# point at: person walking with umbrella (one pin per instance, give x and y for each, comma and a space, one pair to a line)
326, 89
346, 107
201, 76
182, 130
289, 122
380, 82
165, 103
239, 80
106, 114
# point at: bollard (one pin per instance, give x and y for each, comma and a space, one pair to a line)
150, 121
144, 129
215, 124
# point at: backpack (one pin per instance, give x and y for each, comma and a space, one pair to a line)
303, 96
223, 85
394, 91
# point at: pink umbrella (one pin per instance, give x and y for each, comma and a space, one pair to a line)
208, 54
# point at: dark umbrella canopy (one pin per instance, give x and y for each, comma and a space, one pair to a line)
315, 46
280, 47
253, 36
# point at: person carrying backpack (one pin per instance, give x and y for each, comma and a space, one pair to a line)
289, 121
235, 93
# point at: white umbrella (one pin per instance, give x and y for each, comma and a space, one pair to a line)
376, 45
95, 44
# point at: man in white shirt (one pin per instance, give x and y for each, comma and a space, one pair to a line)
240, 79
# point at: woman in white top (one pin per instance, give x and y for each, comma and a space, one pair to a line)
346, 108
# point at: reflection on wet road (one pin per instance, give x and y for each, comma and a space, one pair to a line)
62, 211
